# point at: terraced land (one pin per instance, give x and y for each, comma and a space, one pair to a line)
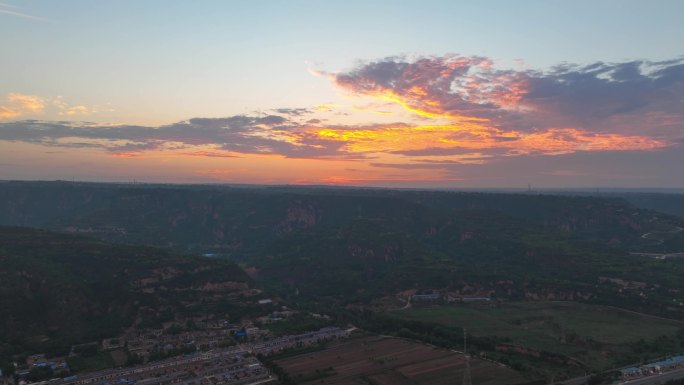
392, 361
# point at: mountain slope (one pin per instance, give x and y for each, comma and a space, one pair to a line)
239, 221
361, 244
57, 290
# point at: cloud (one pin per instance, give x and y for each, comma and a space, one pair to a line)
210, 154
276, 135
8, 112
11, 10
583, 169
75, 110
293, 111
27, 102
451, 86
463, 112
16, 105
619, 97
64, 108
411, 166
609, 96
235, 134
453, 139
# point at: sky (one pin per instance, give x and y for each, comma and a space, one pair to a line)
444, 94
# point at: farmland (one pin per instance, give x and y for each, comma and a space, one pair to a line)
391, 361
596, 335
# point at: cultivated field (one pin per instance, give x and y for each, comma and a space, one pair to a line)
391, 361
596, 335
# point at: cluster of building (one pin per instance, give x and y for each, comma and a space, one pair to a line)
276, 316
434, 295
426, 295
56, 364
144, 343
226, 367
284, 314
235, 365
206, 334
301, 340
183, 335
653, 368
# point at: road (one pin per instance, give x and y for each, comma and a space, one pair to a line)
660, 241
408, 303
657, 379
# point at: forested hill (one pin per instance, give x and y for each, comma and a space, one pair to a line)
357, 245
666, 203
241, 220
58, 290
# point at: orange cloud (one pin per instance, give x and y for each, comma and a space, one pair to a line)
325, 107
19, 104
438, 87
127, 155
7, 112
27, 102
567, 140
478, 137
75, 110
475, 106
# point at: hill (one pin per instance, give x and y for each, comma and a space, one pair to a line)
58, 290
238, 220
361, 244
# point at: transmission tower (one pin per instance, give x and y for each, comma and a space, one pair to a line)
467, 380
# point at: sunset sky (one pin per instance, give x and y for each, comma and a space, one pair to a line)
455, 94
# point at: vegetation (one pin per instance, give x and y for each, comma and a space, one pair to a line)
534, 338
597, 337
59, 290
98, 361
358, 245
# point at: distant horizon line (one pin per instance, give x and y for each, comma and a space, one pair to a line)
531, 188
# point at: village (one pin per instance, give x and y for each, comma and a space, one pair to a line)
189, 350
234, 365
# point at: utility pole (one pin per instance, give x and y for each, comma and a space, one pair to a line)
467, 380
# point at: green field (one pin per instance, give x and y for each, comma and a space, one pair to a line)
599, 336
